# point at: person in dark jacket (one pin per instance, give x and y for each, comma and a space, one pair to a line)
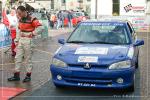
69, 19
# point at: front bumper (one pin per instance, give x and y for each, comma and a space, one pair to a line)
96, 78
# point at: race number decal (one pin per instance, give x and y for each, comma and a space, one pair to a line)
92, 50
88, 59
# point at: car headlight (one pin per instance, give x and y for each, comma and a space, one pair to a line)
121, 65
58, 63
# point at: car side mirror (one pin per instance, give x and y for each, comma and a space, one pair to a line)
138, 43
61, 41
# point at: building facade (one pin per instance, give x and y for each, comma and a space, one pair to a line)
75, 5
118, 7
56, 5
39, 4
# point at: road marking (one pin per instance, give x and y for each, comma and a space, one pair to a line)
25, 62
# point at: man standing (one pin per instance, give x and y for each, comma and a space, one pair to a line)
69, 19
62, 19
58, 20
28, 27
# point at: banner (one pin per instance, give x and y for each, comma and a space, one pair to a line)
139, 23
5, 39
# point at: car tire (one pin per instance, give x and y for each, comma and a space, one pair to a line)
58, 86
131, 88
137, 65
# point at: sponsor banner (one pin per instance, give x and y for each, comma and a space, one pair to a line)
139, 23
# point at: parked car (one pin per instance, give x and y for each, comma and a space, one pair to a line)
81, 16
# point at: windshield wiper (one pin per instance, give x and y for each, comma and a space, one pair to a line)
76, 42
100, 42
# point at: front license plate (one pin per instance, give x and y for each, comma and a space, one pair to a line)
86, 84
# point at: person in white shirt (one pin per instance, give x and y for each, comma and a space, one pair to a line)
13, 22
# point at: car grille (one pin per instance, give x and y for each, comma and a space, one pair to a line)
92, 66
103, 81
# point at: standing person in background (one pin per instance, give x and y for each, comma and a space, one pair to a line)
28, 28
70, 19
4, 17
62, 17
58, 20
51, 21
12, 18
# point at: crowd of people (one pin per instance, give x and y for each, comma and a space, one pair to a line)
63, 18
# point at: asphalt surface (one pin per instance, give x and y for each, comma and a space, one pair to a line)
42, 88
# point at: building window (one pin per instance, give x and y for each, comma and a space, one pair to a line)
52, 4
0, 10
88, 0
0, 6
63, 2
80, 1
116, 7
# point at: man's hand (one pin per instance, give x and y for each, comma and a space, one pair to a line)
16, 43
34, 33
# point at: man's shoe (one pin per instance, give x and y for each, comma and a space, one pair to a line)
13, 54
27, 79
16, 77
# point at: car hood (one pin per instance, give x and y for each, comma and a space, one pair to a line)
105, 53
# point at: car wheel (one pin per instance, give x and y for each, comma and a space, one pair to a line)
58, 86
131, 88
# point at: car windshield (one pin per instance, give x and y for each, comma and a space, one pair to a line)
100, 33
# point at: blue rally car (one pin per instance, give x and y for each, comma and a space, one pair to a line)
97, 54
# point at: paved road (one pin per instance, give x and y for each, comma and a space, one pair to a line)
42, 88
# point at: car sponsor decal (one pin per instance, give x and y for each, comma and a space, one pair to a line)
92, 50
88, 59
120, 47
74, 45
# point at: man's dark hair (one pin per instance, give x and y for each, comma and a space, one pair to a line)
22, 8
